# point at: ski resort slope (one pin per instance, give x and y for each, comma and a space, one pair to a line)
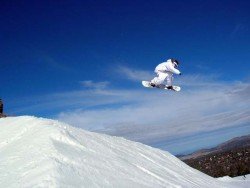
37, 152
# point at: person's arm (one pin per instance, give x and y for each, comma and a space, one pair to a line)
171, 68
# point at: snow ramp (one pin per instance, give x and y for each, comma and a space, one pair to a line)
37, 152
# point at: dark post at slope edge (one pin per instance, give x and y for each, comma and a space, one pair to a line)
1, 107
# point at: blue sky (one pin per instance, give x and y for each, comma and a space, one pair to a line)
82, 62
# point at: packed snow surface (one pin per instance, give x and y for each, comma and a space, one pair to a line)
37, 152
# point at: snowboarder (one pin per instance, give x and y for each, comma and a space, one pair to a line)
164, 72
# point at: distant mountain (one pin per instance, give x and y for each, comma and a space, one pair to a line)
235, 143
231, 158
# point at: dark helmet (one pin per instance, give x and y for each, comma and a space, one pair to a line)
175, 61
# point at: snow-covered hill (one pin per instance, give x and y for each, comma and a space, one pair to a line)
36, 152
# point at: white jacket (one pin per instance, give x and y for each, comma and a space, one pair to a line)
167, 67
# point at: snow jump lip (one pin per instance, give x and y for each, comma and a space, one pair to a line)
59, 155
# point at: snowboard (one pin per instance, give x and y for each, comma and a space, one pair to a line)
161, 86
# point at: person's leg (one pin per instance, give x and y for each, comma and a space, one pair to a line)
161, 76
169, 79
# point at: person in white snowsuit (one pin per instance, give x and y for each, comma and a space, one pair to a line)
164, 72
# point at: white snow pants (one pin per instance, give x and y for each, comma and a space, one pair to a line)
161, 77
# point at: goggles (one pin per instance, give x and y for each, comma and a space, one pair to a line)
175, 64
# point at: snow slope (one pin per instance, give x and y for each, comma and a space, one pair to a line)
36, 152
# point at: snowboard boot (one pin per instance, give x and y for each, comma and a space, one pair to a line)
170, 87
152, 84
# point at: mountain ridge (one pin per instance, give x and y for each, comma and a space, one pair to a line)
237, 142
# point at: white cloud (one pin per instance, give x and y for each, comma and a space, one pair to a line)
151, 115
96, 85
135, 75
238, 28
184, 80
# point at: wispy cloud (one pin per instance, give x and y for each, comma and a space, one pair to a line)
202, 67
51, 62
96, 85
133, 74
238, 28
151, 116
195, 80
